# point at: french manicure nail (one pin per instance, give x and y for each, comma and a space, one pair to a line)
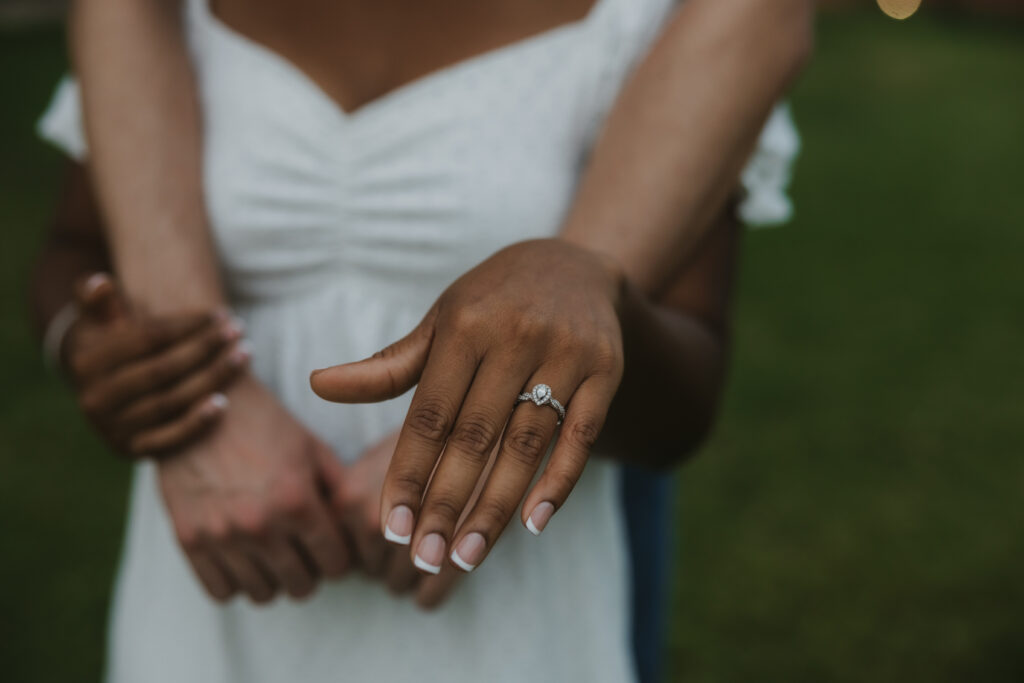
469, 552
540, 517
430, 553
399, 527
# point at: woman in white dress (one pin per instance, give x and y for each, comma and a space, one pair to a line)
338, 229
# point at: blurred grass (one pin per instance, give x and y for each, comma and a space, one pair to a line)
858, 516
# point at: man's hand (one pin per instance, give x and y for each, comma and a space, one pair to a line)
248, 503
148, 384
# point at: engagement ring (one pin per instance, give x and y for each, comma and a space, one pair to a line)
541, 396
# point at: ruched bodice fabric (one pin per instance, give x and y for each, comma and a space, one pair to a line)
336, 232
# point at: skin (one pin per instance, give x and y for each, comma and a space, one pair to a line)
633, 221
147, 384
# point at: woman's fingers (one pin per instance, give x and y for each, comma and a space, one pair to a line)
158, 407
526, 441
388, 373
435, 405
477, 429
582, 425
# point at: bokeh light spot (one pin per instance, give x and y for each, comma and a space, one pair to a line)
899, 9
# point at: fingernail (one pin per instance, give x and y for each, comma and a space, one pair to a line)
231, 332
399, 527
469, 552
94, 281
540, 517
221, 315
217, 403
240, 355
430, 554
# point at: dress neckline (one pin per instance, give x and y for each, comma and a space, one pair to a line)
407, 90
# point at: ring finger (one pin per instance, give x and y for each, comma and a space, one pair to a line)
524, 444
478, 427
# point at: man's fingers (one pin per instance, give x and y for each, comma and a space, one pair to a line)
433, 591
251, 576
388, 373
583, 423
324, 543
98, 297
146, 377
125, 344
181, 432
285, 558
212, 574
476, 432
157, 408
400, 576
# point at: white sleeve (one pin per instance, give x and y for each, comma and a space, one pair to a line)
61, 123
765, 179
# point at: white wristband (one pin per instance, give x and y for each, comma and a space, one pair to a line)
56, 331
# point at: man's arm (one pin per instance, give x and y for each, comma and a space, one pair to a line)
142, 120
682, 129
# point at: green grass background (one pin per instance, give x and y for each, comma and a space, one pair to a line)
858, 515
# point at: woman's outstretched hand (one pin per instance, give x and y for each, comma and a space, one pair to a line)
537, 312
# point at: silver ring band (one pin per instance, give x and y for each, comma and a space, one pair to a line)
541, 395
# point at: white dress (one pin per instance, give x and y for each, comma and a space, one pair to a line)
336, 233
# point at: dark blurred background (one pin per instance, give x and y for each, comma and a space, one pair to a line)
859, 515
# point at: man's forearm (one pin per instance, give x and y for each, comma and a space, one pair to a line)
143, 125
74, 247
682, 129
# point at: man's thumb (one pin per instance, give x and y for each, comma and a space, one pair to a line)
97, 296
384, 375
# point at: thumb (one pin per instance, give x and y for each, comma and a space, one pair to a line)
98, 297
386, 374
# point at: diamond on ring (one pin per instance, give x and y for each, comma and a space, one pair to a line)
541, 396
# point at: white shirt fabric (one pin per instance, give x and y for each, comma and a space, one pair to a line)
336, 233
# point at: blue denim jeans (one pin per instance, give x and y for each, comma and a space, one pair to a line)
647, 502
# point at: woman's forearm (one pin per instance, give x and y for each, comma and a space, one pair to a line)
682, 129
143, 125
